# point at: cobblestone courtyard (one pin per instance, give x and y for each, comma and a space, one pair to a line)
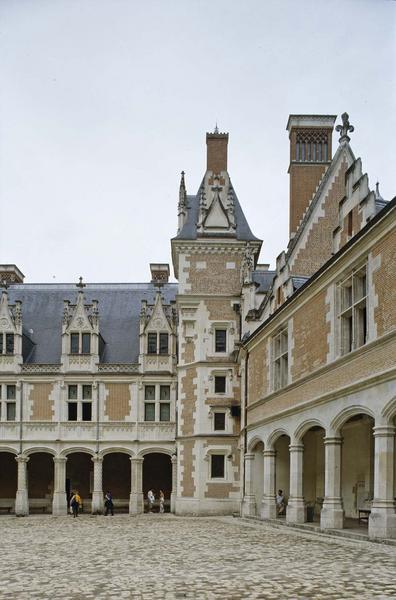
155, 556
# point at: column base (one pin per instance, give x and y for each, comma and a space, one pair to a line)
268, 508
295, 511
21, 503
332, 515
173, 502
249, 506
97, 503
136, 503
59, 504
382, 522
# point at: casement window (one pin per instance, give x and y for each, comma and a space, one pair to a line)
80, 343
280, 360
7, 343
7, 402
220, 340
157, 402
219, 421
352, 310
217, 466
157, 343
79, 402
220, 384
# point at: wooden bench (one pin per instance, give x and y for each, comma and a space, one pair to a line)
42, 507
7, 508
364, 514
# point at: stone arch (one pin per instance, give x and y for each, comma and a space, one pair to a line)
157, 472
347, 413
75, 449
253, 443
274, 436
116, 450
8, 477
39, 449
389, 410
9, 450
305, 426
155, 450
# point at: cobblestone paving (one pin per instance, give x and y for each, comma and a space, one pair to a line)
161, 556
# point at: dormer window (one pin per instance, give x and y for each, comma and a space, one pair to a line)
7, 343
80, 343
163, 343
152, 343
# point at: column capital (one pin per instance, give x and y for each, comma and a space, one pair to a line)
59, 459
332, 441
269, 453
136, 459
22, 459
384, 430
174, 459
296, 447
96, 458
249, 456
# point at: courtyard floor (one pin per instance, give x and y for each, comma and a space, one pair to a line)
162, 556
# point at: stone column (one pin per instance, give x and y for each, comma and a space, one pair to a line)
332, 514
59, 502
382, 520
268, 505
136, 504
97, 494
249, 500
296, 507
174, 483
22, 500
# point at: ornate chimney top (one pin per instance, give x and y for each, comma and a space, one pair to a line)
344, 128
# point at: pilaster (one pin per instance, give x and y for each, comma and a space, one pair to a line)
296, 506
136, 503
22, 500
59, 502
268, 504
382, 520
174, 483
97, 494
332, 514
249, 500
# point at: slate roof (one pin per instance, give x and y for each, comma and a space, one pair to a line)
119, 311
189, 229
264, 280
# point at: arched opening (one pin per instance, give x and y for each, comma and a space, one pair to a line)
282, 470
157, 475
258, 475
357, 469
79, 477
117, 479
8, 482
314, 472
40, 478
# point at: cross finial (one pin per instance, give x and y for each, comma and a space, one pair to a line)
80, 284
344, 128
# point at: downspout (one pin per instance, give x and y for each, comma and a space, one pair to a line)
245, 399
97, 417
20, 418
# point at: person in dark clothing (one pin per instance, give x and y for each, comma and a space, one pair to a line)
109, 505
75, 503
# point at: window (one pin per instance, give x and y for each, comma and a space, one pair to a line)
9, 343
164, 411
220, 384
217, 466
149, 411
221, 340
149, 392
352, 300
152, 343
163, 343
350, 223
11, 411
79, 406
11, 392
8, 405
86, 343
157, 404
280, 360
74, 343
219, 421
164, 392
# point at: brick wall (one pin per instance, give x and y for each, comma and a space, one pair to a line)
117, 402
217, 152
384, 279
208, 274
258, 383
188, 469
304, 179
42, 406
188, 402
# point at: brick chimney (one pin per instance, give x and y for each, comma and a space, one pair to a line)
11, 274
310, 155
217, 144
159, 273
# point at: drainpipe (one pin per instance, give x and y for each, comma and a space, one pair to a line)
20, 418
245, 399
97, 416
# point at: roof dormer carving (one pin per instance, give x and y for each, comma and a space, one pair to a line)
157, 336
10, 333
216, 207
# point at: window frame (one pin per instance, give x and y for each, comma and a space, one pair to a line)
8, 399
216, 414
80, 398
213, 477
352, 308
280, 359
217, 330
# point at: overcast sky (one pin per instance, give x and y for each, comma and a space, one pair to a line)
104, 102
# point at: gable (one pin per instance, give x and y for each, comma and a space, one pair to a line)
216, 217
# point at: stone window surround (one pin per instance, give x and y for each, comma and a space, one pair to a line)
228, 374
80, 342
79, 401
5, 400
230, 332
275, 356
157, 401
228, 419
158, 335
4, 337
220, 451
349, 275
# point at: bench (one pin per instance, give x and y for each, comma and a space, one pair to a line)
364, 514
7, 508
42, 507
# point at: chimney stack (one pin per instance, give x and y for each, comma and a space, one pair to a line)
11, 274
310, 155
217, 144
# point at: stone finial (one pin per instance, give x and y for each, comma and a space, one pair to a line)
216, 129
182, 193
80, 284
344, 128
377, 192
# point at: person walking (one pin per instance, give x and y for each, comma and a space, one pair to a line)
75, 503
162, 501
109, 505
151, 500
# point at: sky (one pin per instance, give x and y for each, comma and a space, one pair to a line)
104, 102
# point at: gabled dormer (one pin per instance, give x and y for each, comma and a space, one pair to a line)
80, 334
10, 334
157, 336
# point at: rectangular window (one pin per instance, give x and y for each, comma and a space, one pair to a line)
11, 392
219, 421
1, 343
11, 411
9, 343
164, 343
350, 223
74, 340
87, 411
86, 343
72, 395
164, 411
220, 384
87, 392
149, 392
152, 343
221, 340
149, 411
217, 466
164, 392
280, 360
352, 312
72, 411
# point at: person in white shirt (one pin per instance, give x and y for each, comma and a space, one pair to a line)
280, 502
151, 500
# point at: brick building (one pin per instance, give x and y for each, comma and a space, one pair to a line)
232, 383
